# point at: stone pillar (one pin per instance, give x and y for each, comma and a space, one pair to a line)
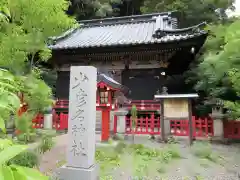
48, 121
121, 122
81, 125
48, 118
217, 123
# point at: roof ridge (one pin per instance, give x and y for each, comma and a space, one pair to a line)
127, 17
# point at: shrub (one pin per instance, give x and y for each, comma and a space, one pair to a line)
46, 144
204, 150
120, 147
13, 171
24, 138
27, 159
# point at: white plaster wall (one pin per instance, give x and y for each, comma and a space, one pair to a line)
98, 120
111, 121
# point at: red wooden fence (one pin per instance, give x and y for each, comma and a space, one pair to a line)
144, 125
144, 105
38, 121
201, 127
231, 129
60, 121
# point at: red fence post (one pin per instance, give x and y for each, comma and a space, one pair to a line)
152, 121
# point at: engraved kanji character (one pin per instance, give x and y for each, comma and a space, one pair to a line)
78, 79
78, 149
75, 129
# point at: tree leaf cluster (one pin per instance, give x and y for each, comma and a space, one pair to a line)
218, 72
192, 12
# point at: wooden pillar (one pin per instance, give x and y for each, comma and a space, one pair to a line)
162, 120
105, 124
190, 121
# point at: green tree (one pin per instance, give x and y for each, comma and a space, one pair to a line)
217, 75
192, 11
25, 26
89, 9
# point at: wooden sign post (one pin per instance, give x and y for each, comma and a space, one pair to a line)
173, 107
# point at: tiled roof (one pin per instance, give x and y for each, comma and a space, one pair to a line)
131, 30
111, 82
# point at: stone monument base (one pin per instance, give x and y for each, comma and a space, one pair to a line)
72, 173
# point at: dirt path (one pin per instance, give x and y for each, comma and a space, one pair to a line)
189, 166
55, 156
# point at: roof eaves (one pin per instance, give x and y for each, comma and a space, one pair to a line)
174, 38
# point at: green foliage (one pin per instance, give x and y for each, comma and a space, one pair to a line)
23, 123
46, 144
107, 158
134, 115
9, 101
10, 151
37, 94
204, 150
120, 147
23, 37
218, 73
89, 9
164, 155
4, 143
142, 161
23, 46
192, 13
27, 159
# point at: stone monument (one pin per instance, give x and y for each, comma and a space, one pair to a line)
81, 125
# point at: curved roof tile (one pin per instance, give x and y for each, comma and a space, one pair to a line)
134, 30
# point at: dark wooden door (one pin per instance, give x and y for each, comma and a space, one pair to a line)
143, 84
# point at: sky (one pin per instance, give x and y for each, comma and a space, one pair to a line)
237, 6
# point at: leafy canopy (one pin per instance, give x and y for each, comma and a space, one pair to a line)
25, 26
193, 11
32, 23
219, 72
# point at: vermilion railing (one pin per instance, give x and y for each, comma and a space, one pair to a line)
143, 125
60, 121
232, 129
37, 122
202, 127
144, 105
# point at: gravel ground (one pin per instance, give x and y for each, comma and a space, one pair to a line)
186, 168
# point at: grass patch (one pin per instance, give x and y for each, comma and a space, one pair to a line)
134, 160
204, 163
107, 159
61, 163
204, 150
